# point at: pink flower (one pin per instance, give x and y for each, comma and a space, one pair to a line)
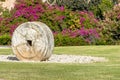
1, 19
82, 20
91, 14
83, 32
60, 18
61, 8
12, 28
55, 33
29, 12
51, 7
88, 40
74, 34
118, 16
82, 13
66, 32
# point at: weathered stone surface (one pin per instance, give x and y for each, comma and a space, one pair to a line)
32, 41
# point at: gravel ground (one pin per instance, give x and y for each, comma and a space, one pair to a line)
58, 59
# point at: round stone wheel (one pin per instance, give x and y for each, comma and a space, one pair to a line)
32, 41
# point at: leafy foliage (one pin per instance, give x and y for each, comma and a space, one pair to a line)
5, 39
101, 8
77, 37
111, 25
75, 4
71, 24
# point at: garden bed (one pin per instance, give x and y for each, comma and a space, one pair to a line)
58, 59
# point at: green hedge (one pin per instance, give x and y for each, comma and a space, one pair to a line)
5, 39
99, 16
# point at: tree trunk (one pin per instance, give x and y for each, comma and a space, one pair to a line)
32, 41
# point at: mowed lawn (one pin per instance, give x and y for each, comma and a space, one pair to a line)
63, 71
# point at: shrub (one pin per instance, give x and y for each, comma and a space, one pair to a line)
4, 21
3, 26
111, 25
113, 14
77, 37
75, 4
5, 39
58, 18
96, 6
110, 32
61, 40
24, 11
101, 8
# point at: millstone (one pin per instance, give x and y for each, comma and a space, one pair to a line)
32, 41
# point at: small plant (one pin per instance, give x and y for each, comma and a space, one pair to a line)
5, 39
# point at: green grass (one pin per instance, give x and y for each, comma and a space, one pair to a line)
5, 51
55, 71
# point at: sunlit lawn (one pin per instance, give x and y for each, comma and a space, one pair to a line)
57, 71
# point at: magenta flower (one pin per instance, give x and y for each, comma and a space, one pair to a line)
51, 7
83, 32
118, 17
88, 40
12, 28
82, 19
18, 13
93, 32
30, 12
82, 13
61, 8
74, 34
55, 33
91, 13
20, 6
1, 19
66, 32
60, 18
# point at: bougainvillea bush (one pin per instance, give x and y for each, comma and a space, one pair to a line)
76, 37
111, 25
69, 27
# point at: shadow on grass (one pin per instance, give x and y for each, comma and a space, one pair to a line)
12, 58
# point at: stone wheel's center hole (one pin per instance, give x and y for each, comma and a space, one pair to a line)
29, 42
